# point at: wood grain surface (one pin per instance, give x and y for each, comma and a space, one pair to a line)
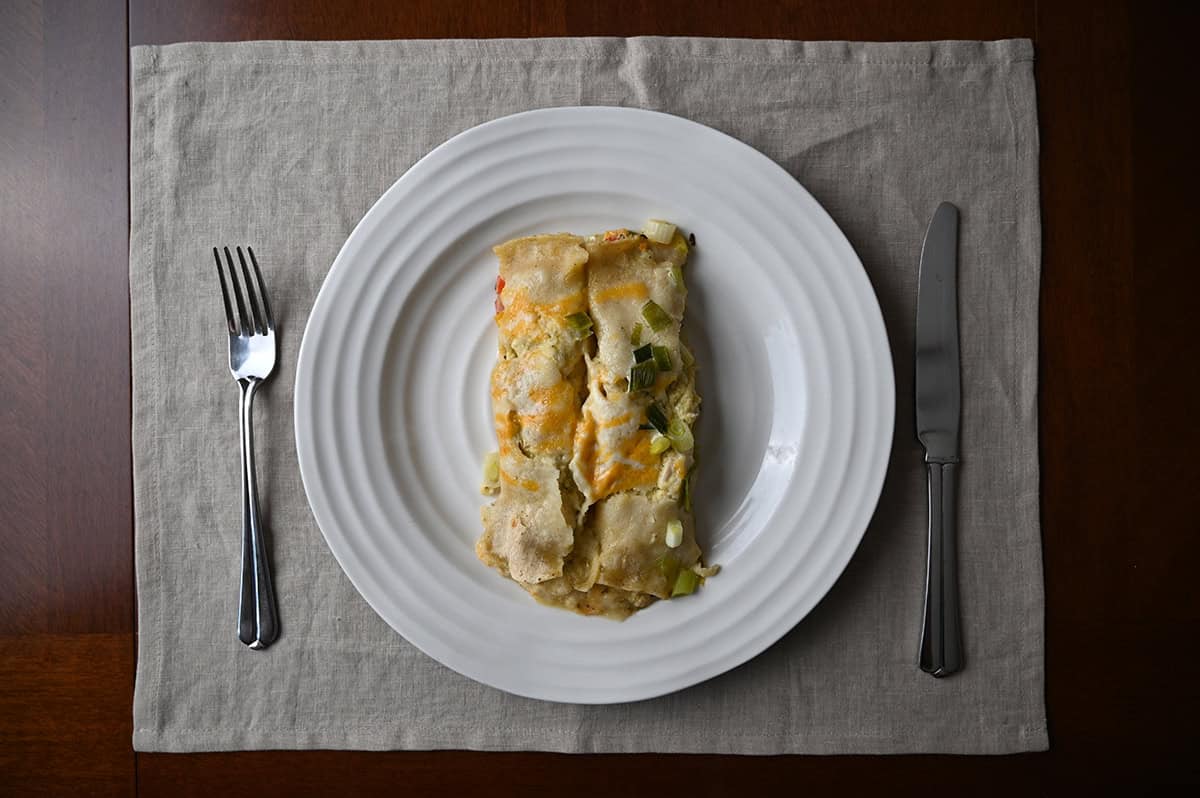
1119, 440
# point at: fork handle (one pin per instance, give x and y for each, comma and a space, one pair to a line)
258, 622
941, 635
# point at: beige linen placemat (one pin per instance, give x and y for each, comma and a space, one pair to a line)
284, 146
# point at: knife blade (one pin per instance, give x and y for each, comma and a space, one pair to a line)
938, 415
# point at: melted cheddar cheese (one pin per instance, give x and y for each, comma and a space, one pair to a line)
612, 453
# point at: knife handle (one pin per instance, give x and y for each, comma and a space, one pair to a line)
941, 633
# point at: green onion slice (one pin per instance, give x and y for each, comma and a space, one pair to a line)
580, 323
642, 376
677, 276
643, 353
635, 337
685, 584
491, 468
674, 534
658, 419
655, 316
658, 231
680, 435
662, 357
659, 443
687, 492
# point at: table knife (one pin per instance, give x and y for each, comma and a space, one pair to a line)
938, 411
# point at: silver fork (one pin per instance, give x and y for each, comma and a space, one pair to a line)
251, 360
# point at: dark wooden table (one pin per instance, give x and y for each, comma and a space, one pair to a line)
1120, 440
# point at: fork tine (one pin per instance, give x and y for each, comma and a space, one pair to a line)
245, 328
256, 318
225, 294
262, 290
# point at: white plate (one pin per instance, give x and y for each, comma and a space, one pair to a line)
393, 417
